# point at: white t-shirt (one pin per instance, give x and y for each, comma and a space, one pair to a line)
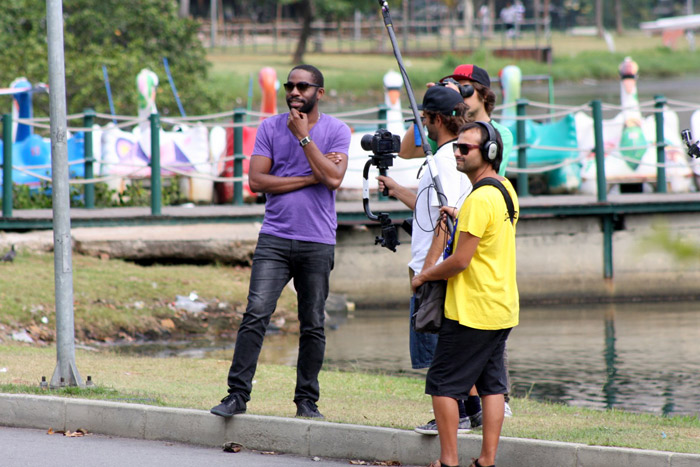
427, 213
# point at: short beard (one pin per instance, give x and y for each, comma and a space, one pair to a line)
308, 105
470, 114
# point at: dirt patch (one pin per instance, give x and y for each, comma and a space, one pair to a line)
211, 321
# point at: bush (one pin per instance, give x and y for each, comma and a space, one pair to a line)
124, 35
135, 194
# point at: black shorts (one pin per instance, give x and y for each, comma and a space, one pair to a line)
465, 357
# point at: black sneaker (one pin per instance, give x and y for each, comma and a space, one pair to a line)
429, 428
475, 420
308, 409
230, 406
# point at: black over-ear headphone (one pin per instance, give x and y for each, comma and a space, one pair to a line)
489, 149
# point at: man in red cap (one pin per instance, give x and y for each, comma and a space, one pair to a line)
475, 87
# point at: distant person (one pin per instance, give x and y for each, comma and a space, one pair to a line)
519, 16
298, 161
443, 115
484, 20
508, 16
482, 303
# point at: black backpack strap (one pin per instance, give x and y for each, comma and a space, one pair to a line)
506, 196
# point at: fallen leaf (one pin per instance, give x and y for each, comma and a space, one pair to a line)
50, 432
268, 453
232, 447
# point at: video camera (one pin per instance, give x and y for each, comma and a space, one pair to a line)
383, 146
693, 148
466, 90
382, 142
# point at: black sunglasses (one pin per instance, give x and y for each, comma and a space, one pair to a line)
302, 86
464, 148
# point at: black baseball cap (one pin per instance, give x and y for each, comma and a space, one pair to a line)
441, 99
472, 73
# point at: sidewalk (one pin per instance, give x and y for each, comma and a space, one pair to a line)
305, 437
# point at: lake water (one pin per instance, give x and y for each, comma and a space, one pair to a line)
641, 357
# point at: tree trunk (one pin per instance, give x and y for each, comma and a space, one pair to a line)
468, 16
492, 16
184, 10
405, 25
618, 17
307, 18
599, 17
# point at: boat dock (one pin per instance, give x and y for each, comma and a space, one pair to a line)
350, 212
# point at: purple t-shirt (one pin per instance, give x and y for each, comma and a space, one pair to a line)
306, 214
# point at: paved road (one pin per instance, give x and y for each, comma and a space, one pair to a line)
21, 447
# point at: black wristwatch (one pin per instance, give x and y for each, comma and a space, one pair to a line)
304, 141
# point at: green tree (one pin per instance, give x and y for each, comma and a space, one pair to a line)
309, 10
124, 35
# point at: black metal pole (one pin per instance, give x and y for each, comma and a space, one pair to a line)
414, 107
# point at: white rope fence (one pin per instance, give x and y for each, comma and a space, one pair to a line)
225, 119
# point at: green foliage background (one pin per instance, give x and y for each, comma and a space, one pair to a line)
124, 35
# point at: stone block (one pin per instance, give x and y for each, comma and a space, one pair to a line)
263, 433
414, 448
27, 411
109, 418
684, 460
184, 425
536, 452
595, 456
348, 441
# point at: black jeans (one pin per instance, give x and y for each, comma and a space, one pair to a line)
275, 261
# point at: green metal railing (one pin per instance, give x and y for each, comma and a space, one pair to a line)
603, 209
238, 157
156, 188
88, 121
523, 182
7, 166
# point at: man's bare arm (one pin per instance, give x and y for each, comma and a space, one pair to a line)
261, 181
409, 150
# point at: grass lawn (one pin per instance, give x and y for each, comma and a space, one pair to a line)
346, 397
358, 77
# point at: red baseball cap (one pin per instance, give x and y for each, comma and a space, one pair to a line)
472, 73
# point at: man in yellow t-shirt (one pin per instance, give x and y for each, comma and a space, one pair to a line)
482, 304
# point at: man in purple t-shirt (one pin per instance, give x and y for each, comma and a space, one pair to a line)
298, 161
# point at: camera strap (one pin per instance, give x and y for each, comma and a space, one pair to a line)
506, 197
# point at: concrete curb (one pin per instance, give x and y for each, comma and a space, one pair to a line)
304, 437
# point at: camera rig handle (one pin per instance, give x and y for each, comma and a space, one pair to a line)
693, 148
390, 235
414, 107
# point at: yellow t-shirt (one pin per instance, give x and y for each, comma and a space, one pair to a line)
485, 295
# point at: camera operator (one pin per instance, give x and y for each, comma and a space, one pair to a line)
475, 86
443, 115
